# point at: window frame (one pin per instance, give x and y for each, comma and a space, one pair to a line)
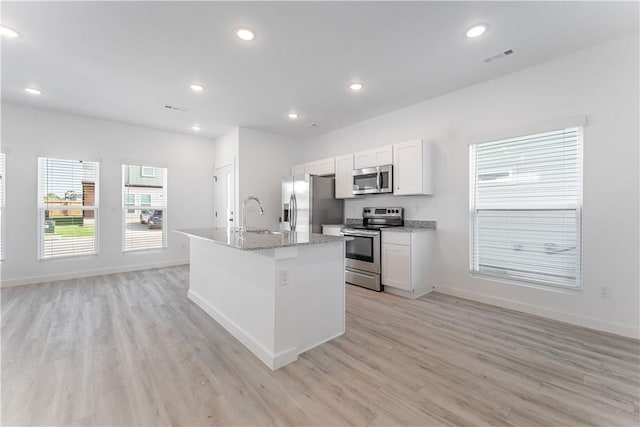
3, 200
41, 213
124, 208
577, 123
146, 205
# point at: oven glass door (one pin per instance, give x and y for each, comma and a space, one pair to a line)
360, 248
363, 252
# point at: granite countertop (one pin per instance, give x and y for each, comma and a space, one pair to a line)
255, 240
410, 225
407, 229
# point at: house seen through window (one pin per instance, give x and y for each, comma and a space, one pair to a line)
144, 199
67, 207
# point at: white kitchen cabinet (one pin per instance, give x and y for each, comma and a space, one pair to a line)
321, 167
413, 168
406, 262
396, 266
297, 170
375, 157
344, 177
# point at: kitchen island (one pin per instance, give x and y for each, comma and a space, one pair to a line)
278, 293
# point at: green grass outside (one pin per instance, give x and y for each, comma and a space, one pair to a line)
74, 230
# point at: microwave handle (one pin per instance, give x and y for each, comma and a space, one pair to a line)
379, 180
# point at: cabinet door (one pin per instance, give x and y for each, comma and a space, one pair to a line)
344, 177
325, 167
364, 159
396, 266
297, 170
407, 168
320, 167
383, 155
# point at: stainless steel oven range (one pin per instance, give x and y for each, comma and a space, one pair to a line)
362, 254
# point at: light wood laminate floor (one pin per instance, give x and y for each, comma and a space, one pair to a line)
130, 349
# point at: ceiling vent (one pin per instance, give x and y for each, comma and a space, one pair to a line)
498, 55
173, 107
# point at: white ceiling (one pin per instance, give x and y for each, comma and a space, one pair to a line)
125, 60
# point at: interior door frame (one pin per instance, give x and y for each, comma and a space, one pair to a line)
231, 192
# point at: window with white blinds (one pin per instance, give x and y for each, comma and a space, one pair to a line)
68, 207
144, 207
526, 208
2, 203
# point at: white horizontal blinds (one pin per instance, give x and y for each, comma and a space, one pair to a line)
144, 206
68, 207
2, 204
526, 202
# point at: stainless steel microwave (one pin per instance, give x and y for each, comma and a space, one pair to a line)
374, 180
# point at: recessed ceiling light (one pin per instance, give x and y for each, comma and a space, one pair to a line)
293, 115
245, 34
196, 87
476, 31
195, 128
355, 86
32, 91
8, 32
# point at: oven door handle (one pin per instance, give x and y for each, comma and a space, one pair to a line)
360, 233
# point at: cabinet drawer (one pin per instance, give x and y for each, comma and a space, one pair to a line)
396, 238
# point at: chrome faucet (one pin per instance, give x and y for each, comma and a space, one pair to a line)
244, 210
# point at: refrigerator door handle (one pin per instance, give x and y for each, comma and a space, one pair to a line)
294, 215
291, 211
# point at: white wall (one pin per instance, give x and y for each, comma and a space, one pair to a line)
600, 82
28, 133
265, 160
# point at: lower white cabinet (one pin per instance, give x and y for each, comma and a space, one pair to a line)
406, 262
396, 266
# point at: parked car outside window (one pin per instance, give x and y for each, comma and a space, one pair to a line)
155, 220
144, 215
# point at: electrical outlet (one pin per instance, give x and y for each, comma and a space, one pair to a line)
284, 277
605, 292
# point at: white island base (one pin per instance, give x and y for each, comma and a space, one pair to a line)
278, 302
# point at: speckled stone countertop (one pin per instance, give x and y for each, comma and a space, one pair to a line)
255, 240
410, 225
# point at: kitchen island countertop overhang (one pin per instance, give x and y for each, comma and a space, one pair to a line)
279, 293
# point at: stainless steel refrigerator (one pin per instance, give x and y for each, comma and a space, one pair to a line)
308, 202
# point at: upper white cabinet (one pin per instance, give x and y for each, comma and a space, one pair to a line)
344, 176
297, 170
413, 168
376, 157
321, 167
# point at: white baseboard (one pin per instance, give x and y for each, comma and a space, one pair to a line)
587, 322
406, 294
88, 273
273, 361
